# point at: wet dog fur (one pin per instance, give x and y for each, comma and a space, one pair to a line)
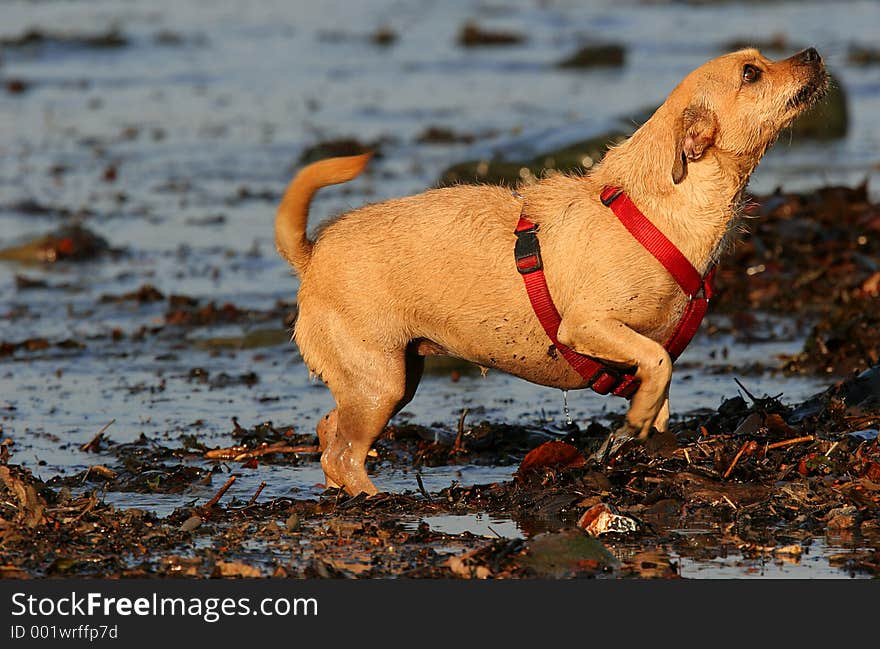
388, 283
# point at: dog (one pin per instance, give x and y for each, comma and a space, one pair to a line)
386, 284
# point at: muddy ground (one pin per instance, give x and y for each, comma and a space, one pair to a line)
757, 476
156, 421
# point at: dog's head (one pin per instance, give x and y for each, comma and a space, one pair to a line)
738, 103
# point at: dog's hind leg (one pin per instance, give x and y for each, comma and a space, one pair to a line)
326, 430
328, 426
370, 380
367, 394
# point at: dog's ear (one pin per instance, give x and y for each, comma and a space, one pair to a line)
695, 133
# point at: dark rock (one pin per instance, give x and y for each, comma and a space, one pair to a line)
146, 293
776, 44
32, 38
336, 148
577, 158
69, 243
600, 55
16, 86
859, 54
443, 135
384, 36
828, 119
473, 35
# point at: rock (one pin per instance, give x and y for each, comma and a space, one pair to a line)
336, 147
863, 54
191, 523
472, 35
599, 55
16, 86
577, 157
145, 294
443, 135
383, 36
776, 44
36, 38
69, 243
568, 553
827, 120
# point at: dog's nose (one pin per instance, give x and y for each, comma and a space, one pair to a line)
810, 55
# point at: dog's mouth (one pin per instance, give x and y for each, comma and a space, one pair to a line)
809, 93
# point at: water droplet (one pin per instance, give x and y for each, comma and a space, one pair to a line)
565, 410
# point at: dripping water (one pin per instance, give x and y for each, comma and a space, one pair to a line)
569, 427
568, 421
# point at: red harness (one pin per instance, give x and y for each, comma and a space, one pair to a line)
600, 377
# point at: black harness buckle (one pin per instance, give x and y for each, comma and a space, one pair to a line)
527, 252
606, 201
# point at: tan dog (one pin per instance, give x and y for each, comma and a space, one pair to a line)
386, 284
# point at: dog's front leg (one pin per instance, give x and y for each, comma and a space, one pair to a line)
662, 421
610, 340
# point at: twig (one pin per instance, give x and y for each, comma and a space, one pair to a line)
746, 445
266, 450
748, 394
225, 453
257, 493
219, 494
93, 444
789, 442
238, 453
93, 500
458, 447
101, 470
831, 450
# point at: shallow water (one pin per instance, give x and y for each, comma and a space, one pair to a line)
230, 107
814, 563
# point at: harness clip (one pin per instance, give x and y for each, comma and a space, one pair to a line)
609, 195
527, 252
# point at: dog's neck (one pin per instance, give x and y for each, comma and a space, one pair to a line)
699, 215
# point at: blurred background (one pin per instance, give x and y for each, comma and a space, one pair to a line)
144, 147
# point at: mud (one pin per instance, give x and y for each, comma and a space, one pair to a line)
756, 476
157, 421
814, 255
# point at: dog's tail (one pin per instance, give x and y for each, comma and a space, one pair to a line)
290, 222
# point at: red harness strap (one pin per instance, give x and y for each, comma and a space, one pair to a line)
599, 377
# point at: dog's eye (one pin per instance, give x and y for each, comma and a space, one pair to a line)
751, 73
